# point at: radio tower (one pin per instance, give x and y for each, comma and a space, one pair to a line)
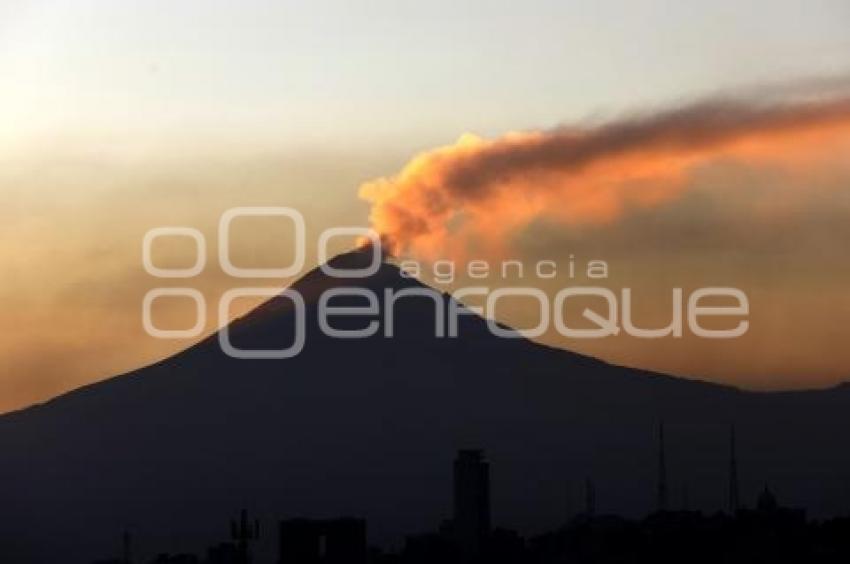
242, 532
662, 470
589, 498
733, 473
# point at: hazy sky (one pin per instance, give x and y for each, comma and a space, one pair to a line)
122, 116
366, 73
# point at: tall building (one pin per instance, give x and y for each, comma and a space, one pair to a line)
471, 523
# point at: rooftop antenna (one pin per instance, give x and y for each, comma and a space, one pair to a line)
125, 548
242, 532
734, 502
589, 498
662, 470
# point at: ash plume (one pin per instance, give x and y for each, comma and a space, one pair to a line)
488, 190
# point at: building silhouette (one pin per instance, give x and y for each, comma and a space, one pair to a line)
471, 521
331, 541
767, 532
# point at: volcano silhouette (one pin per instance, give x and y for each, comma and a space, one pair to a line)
368, 427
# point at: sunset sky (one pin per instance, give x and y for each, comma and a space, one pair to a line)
120, 117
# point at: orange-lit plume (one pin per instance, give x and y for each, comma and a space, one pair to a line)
483, 192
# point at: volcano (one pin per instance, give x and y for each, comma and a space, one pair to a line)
369, 427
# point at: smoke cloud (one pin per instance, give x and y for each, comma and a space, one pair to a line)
481, 193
